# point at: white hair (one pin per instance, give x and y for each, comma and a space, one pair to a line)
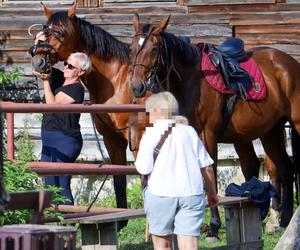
167, 103
83, 60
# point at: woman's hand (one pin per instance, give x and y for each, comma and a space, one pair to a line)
40, 37
213, 200
42, 76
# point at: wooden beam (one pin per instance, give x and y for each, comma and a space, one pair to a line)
228, 2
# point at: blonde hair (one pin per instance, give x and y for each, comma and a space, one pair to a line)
84, 61
167, 103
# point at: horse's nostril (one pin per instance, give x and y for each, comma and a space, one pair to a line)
41, 65
42, 62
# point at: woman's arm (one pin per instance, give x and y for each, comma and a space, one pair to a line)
59, 98
210, 184
50, 98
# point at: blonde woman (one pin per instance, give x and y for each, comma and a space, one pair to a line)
174, 198
60, 132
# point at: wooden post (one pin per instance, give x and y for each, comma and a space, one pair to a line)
242, 223
99, 237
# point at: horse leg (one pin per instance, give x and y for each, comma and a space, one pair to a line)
116, 146
274, 146
274, 178
117, 152
250, 165
295, 141
273, 220
210, 143
249, 161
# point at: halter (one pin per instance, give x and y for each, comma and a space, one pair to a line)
152, 82
48, 30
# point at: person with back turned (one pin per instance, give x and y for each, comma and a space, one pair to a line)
174, 159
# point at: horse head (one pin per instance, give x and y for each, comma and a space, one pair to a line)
59, 31
146, 54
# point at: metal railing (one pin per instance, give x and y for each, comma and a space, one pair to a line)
48, 168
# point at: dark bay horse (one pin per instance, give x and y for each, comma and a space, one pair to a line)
160, 60
108, 83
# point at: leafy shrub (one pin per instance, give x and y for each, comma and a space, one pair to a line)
10, 77
134, 195
24, 146
19, 177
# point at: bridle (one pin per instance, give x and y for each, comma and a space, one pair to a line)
45, 46
163, 58
152, 82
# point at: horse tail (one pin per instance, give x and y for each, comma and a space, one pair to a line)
295, 141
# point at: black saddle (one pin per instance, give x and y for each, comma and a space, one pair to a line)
226, 59
233, 48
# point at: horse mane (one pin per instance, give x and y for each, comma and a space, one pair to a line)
188, 54
96, 40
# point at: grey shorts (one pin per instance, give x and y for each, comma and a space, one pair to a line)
174, 215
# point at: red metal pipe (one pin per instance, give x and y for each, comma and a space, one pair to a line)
10, 136
61, 168
79, 108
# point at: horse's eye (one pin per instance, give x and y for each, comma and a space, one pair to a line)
154, 50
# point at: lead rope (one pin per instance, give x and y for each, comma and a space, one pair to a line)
135, 124
105, 161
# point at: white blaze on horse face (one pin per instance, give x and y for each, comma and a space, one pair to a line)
141, 41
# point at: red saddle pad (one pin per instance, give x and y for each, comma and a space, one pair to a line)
257, 91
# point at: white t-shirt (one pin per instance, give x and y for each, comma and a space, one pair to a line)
177, 168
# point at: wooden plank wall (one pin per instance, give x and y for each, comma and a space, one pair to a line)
273, 23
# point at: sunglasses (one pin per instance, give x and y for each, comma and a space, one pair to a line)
69, 66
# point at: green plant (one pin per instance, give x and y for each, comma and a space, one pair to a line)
19, 177
24, 146
134, 195
10, 77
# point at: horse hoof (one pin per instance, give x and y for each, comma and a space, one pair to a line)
272, 224
211, 239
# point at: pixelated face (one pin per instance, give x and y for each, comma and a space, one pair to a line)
158, 113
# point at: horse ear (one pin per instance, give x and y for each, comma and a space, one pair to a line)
136, 23
48, 12
72, 11
162, 25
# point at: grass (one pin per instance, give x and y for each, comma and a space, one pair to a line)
132, 237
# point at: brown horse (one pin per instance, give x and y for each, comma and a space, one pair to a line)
108, 83
162, 61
